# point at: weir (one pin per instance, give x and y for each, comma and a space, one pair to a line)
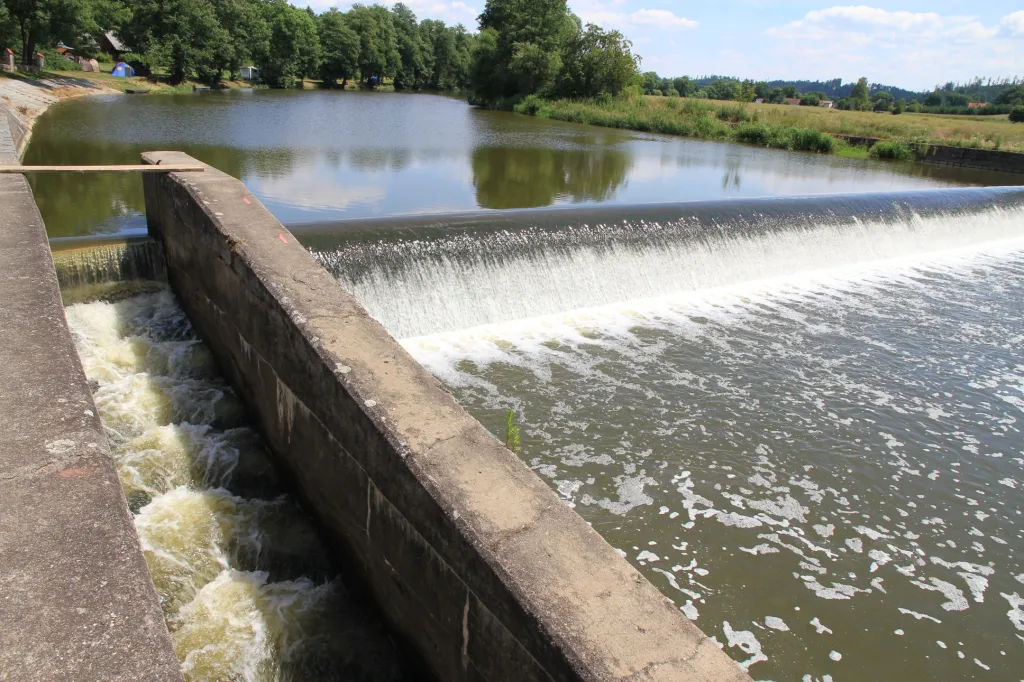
446, 273
466, 551
471, 557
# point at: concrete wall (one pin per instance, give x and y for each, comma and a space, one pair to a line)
982, 159
468, 553
76, 599
985, 159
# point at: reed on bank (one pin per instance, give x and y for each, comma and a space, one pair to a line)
781, 126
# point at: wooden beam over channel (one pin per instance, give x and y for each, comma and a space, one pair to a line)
140, 168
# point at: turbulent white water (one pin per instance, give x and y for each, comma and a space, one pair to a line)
429, 288
808, 440
247, 589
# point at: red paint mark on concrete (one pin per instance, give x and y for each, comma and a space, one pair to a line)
282, 238
246, 200
73, 472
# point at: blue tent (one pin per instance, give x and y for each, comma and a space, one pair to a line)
122, 70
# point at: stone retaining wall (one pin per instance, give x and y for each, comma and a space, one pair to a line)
76, 599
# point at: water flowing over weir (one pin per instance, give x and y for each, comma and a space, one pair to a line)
799, 418
454, 272
249, 591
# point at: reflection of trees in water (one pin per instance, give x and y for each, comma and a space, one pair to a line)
81, 204
732, 172
530, 177
379, 159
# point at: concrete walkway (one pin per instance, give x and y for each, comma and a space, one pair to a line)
76, 599
24, 100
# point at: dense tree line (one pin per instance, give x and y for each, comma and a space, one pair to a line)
538, 47
1002, 96
207, 40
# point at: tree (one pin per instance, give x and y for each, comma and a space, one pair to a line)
933, 100
243, 20
47, 21
684, 86
957, 99
293, 50
532, 68
1017, 114
523, 46
378, 42
900, 107
415, 56
339, 48
883, 100
724, 89
649, 81
596, 62
186, 36
450, 47
860, 95
748, 91
1012, 95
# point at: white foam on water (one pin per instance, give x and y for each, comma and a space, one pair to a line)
177, 435
746, 642
849, 472
443, 294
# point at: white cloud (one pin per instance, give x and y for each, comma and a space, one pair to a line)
609, 14
912, 49
661, 18
1014, 23
455, 12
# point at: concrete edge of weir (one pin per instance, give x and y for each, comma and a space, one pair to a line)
468, 553
76, 598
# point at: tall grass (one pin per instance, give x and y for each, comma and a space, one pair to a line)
689, 117
784, 127
893, 149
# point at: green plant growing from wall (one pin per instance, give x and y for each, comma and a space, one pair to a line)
511, 432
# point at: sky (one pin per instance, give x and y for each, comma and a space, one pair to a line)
914, 44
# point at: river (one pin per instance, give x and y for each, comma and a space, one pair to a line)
323, 156
799, 418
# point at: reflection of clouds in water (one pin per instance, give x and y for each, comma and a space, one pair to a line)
316, 187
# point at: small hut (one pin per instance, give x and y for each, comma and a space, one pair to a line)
112, 45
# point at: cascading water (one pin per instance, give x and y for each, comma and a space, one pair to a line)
800, 419
247, 588
445, 279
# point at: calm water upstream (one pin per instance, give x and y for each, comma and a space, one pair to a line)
323, 156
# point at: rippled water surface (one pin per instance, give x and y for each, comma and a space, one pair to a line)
246, 585
809, 440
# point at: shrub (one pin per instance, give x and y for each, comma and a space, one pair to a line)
784, 137
696, 107
734, 113
1017, 114
531, 105
886, 149
58, 62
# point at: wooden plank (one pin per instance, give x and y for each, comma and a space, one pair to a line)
141, 168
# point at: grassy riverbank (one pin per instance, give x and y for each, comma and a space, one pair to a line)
783, 126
